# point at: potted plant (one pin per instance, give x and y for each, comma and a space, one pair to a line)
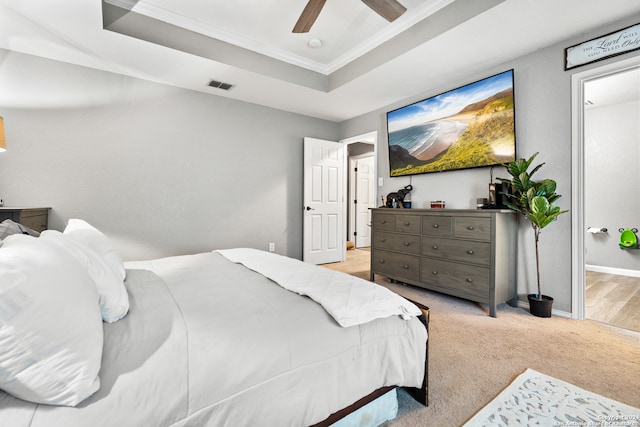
535, 200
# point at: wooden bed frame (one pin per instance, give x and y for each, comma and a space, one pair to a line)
420, 394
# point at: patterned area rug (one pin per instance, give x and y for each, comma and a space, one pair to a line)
535, 399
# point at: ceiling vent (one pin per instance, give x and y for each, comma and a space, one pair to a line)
220, 85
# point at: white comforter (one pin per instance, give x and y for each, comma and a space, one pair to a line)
211, 343
348, 299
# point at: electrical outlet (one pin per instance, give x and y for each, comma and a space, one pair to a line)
272, 247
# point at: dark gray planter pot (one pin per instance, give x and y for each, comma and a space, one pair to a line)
540, 307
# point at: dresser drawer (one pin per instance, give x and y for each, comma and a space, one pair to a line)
383, 221
406, 243
461, 252
472, 228
439, 226
408, 224
396, 265
457, 250
468, 281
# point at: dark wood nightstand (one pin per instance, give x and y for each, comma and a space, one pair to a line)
35, 218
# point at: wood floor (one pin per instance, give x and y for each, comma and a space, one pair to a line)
613, 299
610, 298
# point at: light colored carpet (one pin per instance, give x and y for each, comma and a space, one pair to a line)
473, 357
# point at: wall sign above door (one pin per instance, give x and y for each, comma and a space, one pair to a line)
612, 44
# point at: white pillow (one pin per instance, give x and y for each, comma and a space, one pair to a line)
50, 327
114, 300
8, 227
84, 232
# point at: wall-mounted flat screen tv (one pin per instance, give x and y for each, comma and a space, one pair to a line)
468, 127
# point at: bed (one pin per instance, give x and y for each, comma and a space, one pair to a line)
204, 339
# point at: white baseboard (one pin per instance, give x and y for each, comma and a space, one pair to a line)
554, 312
612, 270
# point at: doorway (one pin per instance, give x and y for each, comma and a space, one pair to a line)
361, 198
606, 154
360, 186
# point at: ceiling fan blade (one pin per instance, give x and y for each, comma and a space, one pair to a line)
388, 9
308, 16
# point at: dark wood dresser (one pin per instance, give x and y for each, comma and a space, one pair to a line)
466, 253
35, 218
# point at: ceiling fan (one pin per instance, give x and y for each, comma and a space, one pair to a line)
388, 9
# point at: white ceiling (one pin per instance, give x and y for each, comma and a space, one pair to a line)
365, 63
618, 88
346, 28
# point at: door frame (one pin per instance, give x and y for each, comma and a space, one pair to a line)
372, 138
578, 274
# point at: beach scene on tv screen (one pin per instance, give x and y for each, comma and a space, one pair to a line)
468, 127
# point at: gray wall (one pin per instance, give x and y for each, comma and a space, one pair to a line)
612, 184
161, 170
543, 124
165, 171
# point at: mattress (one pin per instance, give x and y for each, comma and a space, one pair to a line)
211, 343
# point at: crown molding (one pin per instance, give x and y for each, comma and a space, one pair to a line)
390, 31
167, 16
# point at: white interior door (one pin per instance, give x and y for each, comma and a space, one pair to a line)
323, 218
365, 197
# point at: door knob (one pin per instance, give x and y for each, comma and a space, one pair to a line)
309, 208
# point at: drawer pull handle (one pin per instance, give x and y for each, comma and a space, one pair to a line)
470, 227
406, 243
383, 240
470, 252
381, 261
406, 267
406, 223
435, 248
469, 280
384, 221
435, 225
435, 273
